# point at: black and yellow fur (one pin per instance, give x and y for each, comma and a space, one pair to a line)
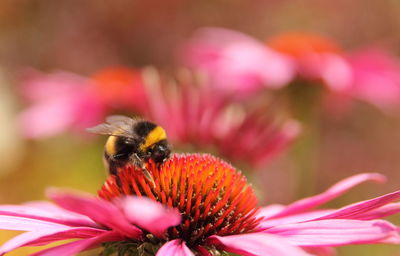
132, 141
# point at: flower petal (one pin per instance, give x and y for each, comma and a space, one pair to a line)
236, 62
75, 247
145, 212
354, 210
97, 209
48, 212
45, 236
26, 224
270, 210
333, 192
321, 251
367, 210
256, 244
301, 217
336, 232
381, 212
174, 248
376, 78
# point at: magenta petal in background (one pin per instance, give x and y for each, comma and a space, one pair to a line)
336, 72
376, 78
47, 118
256, 244
37, 86
174, 248
236, 62
58, 102
149, 214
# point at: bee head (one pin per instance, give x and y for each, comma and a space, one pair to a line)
160, 151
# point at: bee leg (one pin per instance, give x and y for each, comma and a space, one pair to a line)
149, 177
136, 159
109, 165
138, 162
113, 170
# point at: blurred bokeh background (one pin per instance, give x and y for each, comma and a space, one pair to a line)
315, 98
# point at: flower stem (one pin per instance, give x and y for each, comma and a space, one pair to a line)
305, 102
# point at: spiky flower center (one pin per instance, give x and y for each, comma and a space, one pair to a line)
212, 197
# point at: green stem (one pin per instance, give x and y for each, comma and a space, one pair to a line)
305, 102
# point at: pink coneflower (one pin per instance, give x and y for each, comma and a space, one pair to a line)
194, 114
376, 78
192, 111
58, 102
198, 205
235, 62
369, 75
317, 58
63, 101
120, 88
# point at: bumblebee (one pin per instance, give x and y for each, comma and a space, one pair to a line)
132, 141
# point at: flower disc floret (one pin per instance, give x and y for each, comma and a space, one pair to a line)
212, 197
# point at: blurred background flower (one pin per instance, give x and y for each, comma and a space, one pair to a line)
58, 101
241, 64
68, 64
236, 62
197, 118
62, 101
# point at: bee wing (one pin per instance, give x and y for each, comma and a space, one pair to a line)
119, 119
104, 129
116, 125
122, 122
109, 129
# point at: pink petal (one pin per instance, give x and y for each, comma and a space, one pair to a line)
48, 212
75, 247
145, 212
45, 236
336, 232
354, 210
336, 72
256, 244
236, 62
97, 209
174, 248
270, 210
57, 103
48, 118
381, 212
26, 224
376, 78
321, 251
295, 218
37, 86
333, 192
